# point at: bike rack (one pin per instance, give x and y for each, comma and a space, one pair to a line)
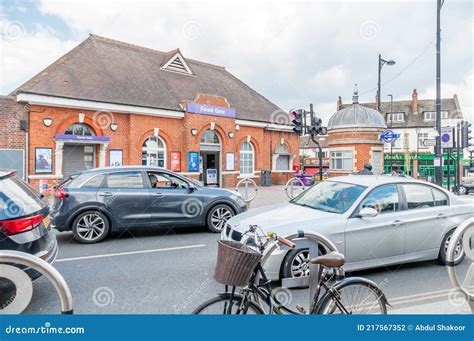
461, 232
53, 275
290, 183
248, 196
310, 240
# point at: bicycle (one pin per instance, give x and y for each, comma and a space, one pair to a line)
353, 295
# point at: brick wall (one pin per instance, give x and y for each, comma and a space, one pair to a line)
11, 113
133, 129
362, 142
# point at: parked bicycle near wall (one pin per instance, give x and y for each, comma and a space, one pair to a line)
240, 266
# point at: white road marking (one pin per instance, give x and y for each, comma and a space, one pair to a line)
130, 253
420, 297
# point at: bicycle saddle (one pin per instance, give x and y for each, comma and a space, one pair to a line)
331, 260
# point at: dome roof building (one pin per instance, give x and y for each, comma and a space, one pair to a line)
356, 116
353, 139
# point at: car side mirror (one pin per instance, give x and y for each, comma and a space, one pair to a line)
368, 212
191, 187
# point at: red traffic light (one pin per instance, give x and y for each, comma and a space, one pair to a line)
295, 113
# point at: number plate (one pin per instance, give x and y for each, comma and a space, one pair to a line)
46, 222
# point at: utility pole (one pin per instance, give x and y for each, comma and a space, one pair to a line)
438, 154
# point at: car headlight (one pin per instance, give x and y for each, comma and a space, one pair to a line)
238, 199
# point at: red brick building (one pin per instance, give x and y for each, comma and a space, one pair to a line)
109, 103
353, 139
13, 134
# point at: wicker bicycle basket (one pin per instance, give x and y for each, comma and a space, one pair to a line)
235, 263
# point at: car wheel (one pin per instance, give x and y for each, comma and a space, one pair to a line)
90, 227
296, 264
458, 252
218, 216
462, 190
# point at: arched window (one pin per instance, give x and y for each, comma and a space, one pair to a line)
79, 129
247, 159
154, 152
283, 157
210, 137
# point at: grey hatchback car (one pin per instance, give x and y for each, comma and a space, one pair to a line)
95, 202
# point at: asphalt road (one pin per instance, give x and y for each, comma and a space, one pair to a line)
170, 271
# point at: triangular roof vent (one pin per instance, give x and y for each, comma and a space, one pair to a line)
177, 63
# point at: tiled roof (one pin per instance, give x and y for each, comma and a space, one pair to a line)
417, 120
106, 70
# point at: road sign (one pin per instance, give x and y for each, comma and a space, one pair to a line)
388, 136
433, 134
447, 137
429, 142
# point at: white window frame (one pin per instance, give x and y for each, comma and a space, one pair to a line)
432, 114
246, 152
396, 117
344, 155
164, 150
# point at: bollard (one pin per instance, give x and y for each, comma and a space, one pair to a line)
53, 275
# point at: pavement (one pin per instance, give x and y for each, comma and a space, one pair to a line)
169, 271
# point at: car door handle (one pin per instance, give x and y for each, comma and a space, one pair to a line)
158, 195
397, 223
106, 194
440, 216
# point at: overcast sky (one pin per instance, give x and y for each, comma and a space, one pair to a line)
292, 52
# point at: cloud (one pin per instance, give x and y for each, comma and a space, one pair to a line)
25, 53
293, 52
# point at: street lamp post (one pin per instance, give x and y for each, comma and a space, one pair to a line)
382, 62
391, 126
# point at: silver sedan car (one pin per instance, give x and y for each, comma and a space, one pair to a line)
373, 220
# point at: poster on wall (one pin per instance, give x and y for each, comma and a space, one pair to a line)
230, 162
176, 161
115, 156
43, 160
193, 161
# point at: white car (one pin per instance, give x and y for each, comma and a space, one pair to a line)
373, 220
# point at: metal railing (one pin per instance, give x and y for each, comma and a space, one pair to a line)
464, 233
47, 270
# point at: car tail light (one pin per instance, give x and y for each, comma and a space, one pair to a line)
60, 193
10, 227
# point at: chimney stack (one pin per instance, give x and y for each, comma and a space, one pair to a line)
339, 104
414, 101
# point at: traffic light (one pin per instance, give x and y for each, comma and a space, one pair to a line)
316, 127
297, 121
466, 135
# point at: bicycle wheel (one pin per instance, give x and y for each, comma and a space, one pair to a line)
354, 296
219, 306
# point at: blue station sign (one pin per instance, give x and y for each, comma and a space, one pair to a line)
388, 136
